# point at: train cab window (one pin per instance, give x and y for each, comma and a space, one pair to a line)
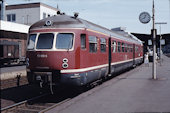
83, 41
64, 41
114, 46
45, 41
119, 47
92, 44
102, 44
31, 41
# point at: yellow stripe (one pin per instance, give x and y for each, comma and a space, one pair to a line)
97, 32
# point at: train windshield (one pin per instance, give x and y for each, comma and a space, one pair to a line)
64, 41
45, 41
31, 41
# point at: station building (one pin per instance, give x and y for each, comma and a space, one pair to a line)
14, 25
28, 13
12, 34
147, 41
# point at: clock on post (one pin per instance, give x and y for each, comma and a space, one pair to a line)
144, 17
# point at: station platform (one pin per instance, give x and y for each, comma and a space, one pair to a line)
12, 72
133, 91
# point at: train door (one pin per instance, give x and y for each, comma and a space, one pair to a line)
110, 57
133, 54
1, 51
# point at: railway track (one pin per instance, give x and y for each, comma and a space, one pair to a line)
41, 104
32, 106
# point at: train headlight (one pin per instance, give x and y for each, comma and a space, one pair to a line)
65, 60
48, 23
65, 63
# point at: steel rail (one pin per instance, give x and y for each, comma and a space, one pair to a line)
55, 105
21, 103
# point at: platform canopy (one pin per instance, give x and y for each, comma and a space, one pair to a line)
13, 30
13, 27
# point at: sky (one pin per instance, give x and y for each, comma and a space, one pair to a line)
114, 13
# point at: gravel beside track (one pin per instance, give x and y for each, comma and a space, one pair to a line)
15, 82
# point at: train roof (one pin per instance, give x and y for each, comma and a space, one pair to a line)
65, 21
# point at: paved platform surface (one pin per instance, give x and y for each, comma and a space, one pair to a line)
133, 91
12, 72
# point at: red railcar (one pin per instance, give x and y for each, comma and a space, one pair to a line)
69, 50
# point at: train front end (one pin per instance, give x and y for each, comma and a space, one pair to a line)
47, 54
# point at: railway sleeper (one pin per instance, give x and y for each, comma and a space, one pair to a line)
25, 110
37, 107
44, 104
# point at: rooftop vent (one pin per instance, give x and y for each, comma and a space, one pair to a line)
119, 29
76, 14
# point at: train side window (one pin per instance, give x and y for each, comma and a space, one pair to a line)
31, 41
114, 46
83, 41
126, 47
102, 44
92, 44
119, 47
131, 48
136, 48
123, 47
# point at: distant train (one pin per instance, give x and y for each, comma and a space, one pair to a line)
68, 50
10, 53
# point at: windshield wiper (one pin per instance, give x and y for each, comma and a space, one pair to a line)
69, 44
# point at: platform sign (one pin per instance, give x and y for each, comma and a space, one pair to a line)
149, 42
162, 41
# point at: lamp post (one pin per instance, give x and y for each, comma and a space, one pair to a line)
144, 18
154, 43
160, 48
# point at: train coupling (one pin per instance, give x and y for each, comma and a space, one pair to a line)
43, 78
38, 78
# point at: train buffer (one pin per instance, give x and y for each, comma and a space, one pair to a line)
133, 91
